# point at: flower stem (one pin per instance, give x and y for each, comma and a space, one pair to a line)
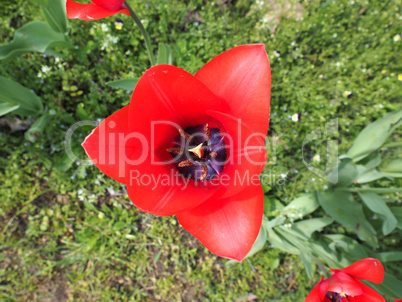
137, 21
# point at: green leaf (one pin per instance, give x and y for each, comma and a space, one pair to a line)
271, 205
7, 107
37, 128
119, 225
397, 211
259, 242
303, 205
63, 163
35, 36
344, 209
347, 173
309, 226
280, 242
307, 264
373, 136
55, 14
389, 256
393, 169
391, 286
127, 84
366, 175
165, 55
13, 93
376, 204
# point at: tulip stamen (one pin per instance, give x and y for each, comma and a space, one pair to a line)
175, 150
207, 132
185, 163
204, 172
201, 155
184, 134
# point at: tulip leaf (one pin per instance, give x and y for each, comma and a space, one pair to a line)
55, 14
13, 93
259, 242
307, 264
127, 84
309, 226
347, 172
344, 209
280, 242
374, 135
389, 256
391, 286
301, 206
6, 107
397, 211
376, 204
165, 55
393, 169
35, 36
366, 175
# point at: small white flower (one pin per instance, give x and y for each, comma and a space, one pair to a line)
335, 35
283, 175
104, 27
317, 158
295, 117
381, 106
277, 54
45, 69
397, 38
39, 75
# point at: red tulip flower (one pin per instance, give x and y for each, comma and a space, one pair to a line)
398, 300
98, 9
344, 284
193, 146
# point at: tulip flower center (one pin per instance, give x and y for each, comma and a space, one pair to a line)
199, 152
336, 297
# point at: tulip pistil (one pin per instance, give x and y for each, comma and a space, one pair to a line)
199, 152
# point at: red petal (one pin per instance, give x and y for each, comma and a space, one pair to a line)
165, 98
366, 269
242, 77
369, 295
246, 155
341, 283
109, 148
314, 295
227, 227
90, 11
109, 4
398, 300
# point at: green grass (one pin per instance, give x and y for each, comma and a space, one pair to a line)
64, 237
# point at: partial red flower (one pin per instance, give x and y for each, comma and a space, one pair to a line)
344, 284
98, 9
193, 146
398, 300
